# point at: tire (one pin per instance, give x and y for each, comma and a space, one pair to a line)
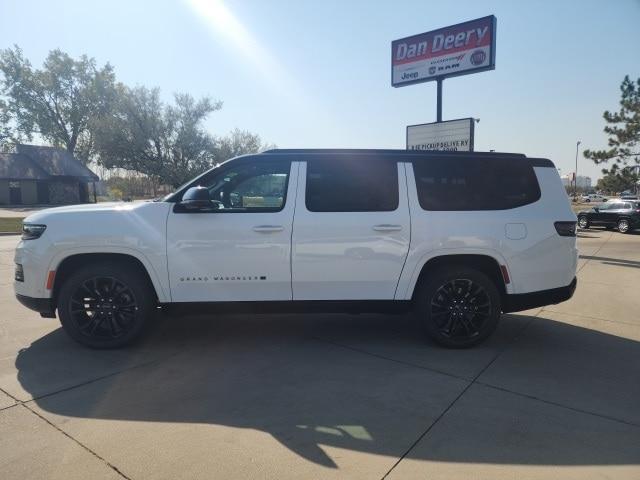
624, 226
443, 306
583, 222
588, 200
106, 305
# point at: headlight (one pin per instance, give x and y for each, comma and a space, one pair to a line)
31, 231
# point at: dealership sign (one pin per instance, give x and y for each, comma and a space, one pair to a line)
468, 47
453, 135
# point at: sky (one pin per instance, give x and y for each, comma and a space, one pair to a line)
304, 73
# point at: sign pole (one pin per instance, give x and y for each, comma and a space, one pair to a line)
439, 100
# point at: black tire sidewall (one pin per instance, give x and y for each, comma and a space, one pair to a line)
433, 282
132, 277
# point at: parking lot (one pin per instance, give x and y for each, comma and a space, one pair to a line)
555, 393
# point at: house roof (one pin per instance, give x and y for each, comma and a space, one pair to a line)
32, 162
16, 166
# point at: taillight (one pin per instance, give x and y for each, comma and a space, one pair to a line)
566, 229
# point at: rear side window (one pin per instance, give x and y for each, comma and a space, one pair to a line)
449, 184
352, 185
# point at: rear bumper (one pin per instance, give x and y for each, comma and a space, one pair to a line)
44, 306
525, 301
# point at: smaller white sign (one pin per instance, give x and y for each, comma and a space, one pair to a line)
452, 135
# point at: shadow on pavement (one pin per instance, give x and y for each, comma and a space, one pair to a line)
618, 262
272, 373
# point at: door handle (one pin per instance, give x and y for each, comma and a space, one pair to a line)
268, 228
385, 227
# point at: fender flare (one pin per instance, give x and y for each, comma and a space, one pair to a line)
407, 294
60, 256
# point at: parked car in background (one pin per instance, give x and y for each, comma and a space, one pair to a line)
621, 214
593, 197
459, 238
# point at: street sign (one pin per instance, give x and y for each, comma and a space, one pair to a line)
453, 135
468, 47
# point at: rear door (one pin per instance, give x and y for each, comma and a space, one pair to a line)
610, 215
351, 229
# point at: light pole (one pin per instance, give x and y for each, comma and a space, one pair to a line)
575, 185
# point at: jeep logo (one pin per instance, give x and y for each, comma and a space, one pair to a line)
409, 75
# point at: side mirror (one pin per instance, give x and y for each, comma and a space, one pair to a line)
196, 199
596, 209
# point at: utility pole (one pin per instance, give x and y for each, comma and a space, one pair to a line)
575, 185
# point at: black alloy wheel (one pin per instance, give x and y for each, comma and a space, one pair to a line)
103, 308
458, 307
106, 305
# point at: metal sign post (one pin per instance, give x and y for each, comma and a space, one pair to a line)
439, 100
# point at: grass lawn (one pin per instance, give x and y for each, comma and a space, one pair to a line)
11, 224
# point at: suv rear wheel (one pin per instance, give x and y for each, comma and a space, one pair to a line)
623, 225
458, 307
105, 305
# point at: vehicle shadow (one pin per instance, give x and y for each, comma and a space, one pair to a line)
276, 374
617, 262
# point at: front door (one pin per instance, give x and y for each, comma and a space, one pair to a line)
240, 252
15, 193
599, 214
351, 230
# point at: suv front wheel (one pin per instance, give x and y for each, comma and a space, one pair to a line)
458, 307
105, 305
583, 222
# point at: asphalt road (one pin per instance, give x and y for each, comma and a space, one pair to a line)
554, 394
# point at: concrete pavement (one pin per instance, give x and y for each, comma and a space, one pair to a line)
553, 394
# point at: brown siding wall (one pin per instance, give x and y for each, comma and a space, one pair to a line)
61, 192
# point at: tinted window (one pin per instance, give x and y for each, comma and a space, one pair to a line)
475, 183
616, 206
250, 187
352, 185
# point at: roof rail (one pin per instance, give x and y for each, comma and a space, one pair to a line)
386, 151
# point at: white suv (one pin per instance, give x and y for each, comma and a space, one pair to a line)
456, 237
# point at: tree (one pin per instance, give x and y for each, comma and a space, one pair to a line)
167, 142
618, 180
623, 128
240, 142
6, 132
60, 102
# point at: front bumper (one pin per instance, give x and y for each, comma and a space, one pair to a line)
525, 301
44, 306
